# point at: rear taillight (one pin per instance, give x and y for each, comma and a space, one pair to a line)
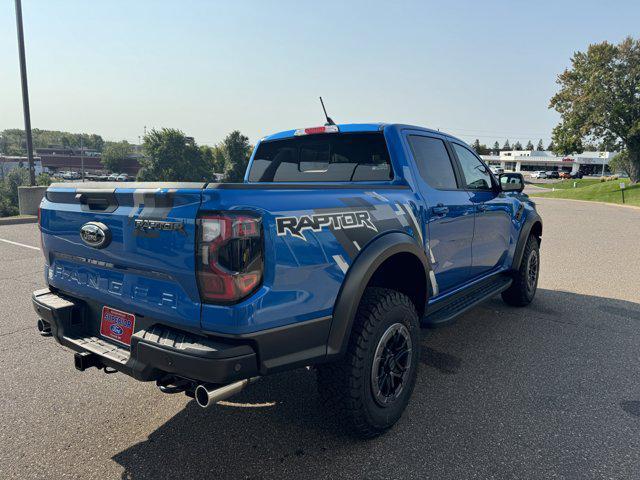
229, 256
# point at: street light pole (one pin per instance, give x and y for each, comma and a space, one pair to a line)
82, 156
25, 93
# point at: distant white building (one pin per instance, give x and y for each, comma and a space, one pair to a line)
531, 160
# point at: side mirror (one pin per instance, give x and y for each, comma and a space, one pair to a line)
511, 182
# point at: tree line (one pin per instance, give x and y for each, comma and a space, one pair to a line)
483, 149
13, 141
170, 155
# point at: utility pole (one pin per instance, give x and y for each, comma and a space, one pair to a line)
82, 156
25, 93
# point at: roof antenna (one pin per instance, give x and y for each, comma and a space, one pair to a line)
329, 121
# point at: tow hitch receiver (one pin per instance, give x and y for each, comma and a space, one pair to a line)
84, 360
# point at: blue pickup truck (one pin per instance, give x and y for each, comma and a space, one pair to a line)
341, 242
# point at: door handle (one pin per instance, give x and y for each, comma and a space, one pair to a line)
440, 210
482, 207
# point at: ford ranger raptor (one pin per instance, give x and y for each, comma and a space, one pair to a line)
342, 241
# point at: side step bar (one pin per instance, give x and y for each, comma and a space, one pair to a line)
463, 301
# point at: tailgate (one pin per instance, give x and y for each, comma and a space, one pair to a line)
126, 246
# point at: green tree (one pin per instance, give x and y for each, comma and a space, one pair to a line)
9, 190
599, 98
13, 142
43, 179
172, 156
214, 157
219, 160
551, 147
621, 162
529, 146
496, 147
565, 141
517, 145
480, 148
237, 152
540, 146
506, 145
115, 155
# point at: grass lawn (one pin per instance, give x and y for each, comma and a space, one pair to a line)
563, 184
598, 192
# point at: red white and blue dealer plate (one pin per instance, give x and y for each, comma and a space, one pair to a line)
117, 325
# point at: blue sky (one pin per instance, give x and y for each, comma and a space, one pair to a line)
475, 69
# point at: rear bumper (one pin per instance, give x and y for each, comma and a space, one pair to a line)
156, 351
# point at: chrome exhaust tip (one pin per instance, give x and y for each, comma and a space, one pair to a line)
207, 395
43, 327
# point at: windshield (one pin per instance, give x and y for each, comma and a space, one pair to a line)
343, 157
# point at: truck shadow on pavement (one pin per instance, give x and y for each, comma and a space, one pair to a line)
518, 365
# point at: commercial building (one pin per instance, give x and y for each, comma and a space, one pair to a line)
57, 159
588, 163
60, 159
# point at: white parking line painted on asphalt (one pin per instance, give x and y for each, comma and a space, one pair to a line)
19, 244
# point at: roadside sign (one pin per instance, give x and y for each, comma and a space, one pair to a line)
622, 185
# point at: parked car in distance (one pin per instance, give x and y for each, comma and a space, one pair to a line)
497, 170
576, 175
71, 176
112, 177
552, 174
565, 175
539, 174
123, 177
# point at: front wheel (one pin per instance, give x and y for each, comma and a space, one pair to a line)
525, 280
370, 387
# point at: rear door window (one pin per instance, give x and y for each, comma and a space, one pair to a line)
342, 157
433, 162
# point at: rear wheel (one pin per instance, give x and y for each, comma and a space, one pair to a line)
370, 387
525, 281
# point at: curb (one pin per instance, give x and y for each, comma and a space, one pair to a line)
632, 207
18, 220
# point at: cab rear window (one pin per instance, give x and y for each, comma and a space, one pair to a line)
337, 157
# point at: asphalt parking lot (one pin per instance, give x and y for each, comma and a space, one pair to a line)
549, 391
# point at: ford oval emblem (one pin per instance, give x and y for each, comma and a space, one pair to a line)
95, 234
116, 329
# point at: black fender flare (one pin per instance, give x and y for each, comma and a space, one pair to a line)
532, 219
357, 278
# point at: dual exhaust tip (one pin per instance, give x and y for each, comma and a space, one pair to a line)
207, 395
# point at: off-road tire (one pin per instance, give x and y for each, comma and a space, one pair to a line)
346, 386
523, 289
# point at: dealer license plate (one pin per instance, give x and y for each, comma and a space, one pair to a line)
117, 325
